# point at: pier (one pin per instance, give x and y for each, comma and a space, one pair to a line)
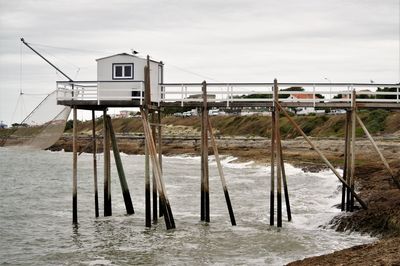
274, 96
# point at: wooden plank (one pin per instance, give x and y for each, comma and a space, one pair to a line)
385, 162
96, 193
120, 169
322, 156
75, 169
221, 173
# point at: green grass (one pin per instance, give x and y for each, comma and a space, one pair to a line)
376, 121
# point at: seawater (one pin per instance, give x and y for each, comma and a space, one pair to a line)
36, 202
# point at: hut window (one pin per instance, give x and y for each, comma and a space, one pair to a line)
122, 71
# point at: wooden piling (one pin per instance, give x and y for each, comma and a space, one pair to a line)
146, 148
278, 161
205, 197
385, 163
321, 155
154, 186
272, 189
284, 180
75, 169
159, 149
348, 170
118, 162
107, 167
221, 173
353, 146
345, 192
167, 212
96, 193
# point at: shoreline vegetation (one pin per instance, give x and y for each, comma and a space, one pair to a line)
247, 139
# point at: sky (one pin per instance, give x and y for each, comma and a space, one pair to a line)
213, 40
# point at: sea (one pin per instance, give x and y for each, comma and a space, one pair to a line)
36, 214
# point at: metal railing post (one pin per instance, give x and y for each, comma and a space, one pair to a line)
227, 95
182, 95
314, 95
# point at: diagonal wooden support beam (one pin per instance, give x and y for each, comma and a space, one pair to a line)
120, 169
221, 173
168, 217
396, 181
362, 203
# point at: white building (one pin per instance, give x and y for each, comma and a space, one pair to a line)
305, 110
121, 77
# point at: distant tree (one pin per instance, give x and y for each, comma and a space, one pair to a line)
386, 89
19, 125
69, 125
284, 96
172, 110
269, 96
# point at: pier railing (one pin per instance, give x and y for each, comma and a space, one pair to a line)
288, 92
227, 93
99, 91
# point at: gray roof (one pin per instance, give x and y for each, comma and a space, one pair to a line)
126, 54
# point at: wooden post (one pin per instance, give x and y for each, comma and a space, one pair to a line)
396, 181
278, 161
272, 190
205, 199
167, 212
322, 156
75, 169
120, 169
353, 145
96, 193
147, 101
154, 186
285, 186
159, 149
221, 173
107, 167
346, 159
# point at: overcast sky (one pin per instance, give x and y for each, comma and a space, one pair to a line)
214, 40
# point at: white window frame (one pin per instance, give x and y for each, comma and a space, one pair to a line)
123, 65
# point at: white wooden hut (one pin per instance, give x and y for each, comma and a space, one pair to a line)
121, 77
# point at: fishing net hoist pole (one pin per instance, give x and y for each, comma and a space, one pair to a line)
47, 61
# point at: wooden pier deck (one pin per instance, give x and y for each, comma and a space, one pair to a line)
277, 97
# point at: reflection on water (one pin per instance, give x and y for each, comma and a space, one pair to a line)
36, 200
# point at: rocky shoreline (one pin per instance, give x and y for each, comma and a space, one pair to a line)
374, 184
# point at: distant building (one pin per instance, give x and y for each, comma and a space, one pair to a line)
304, 110
306, 96
124, 113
